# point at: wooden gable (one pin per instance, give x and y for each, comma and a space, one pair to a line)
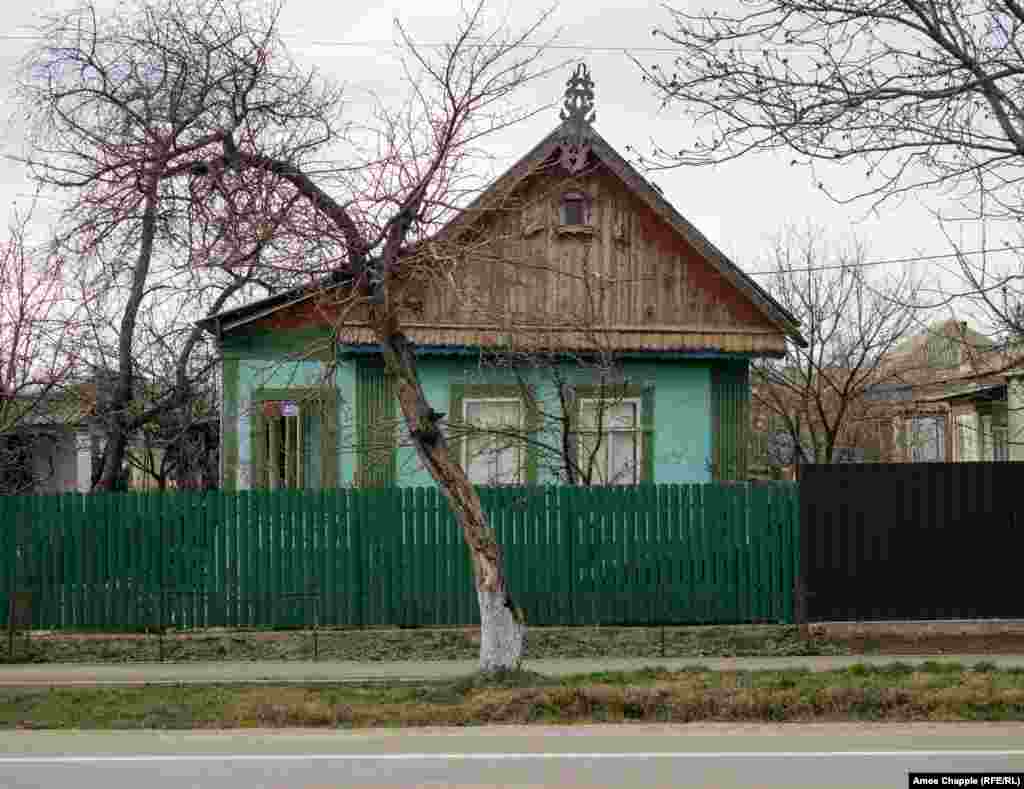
625, 278
516, 269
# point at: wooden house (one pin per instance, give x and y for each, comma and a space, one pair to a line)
571, 256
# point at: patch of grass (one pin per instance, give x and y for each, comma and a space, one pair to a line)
870, 693
897, 668
871, 646
942, 667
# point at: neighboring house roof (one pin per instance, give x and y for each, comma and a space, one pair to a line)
67, 406
774, 312
942, 345
971, 391
946, 363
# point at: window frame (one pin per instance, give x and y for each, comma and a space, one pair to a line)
938, 424
1000, 443
285, 454
522, 393
606, 431
322, 398
586, 209
617, 392
516, 447
967, 437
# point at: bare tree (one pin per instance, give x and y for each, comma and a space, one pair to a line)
115, 102
37, 359
922, 94
567, 436
821, 394
187, 105
575, 398
925, 92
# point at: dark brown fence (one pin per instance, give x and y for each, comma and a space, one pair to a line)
912, 541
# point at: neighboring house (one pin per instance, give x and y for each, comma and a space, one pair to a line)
978, 421
48, 441
51, 441
941, 396
951, 402
579, 260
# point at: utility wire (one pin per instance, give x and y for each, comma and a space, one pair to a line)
891, 261
380, 44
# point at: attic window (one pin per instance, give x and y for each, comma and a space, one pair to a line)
574, 209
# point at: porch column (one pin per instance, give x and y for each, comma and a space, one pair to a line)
1015, 415
83, 461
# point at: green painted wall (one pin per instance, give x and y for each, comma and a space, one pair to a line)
682, 397
682, 410
256, 374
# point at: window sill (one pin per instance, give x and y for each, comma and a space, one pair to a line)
581, 231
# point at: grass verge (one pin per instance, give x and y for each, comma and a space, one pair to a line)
895, 692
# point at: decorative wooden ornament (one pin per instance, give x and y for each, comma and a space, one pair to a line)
577, 114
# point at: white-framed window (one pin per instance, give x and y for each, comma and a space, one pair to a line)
610, 443
492, 450
926, 439
574, 209
994, 440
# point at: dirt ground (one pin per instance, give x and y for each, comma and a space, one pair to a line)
377, 645
924, 638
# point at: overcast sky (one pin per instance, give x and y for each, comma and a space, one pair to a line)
740, 206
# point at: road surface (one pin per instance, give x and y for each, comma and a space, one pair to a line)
712, 755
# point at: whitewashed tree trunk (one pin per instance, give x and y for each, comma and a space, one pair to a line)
502, 625
501, 632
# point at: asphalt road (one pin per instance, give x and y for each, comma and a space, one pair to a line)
712, 755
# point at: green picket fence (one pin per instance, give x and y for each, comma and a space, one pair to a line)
656, 554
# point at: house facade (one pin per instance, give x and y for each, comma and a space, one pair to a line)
570, 316
48, 441
947, 394
955, 402
52, 441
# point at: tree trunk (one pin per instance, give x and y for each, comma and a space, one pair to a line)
502, 631
124, 390
502, 625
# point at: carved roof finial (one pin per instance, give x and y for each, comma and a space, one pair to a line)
579, 98
577, 113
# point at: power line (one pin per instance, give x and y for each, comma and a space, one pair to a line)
891, 261
381, 44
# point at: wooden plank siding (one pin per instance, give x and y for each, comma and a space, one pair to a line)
628, 281
377, 424
628, 277
730, 421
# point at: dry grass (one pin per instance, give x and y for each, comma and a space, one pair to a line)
887, 693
